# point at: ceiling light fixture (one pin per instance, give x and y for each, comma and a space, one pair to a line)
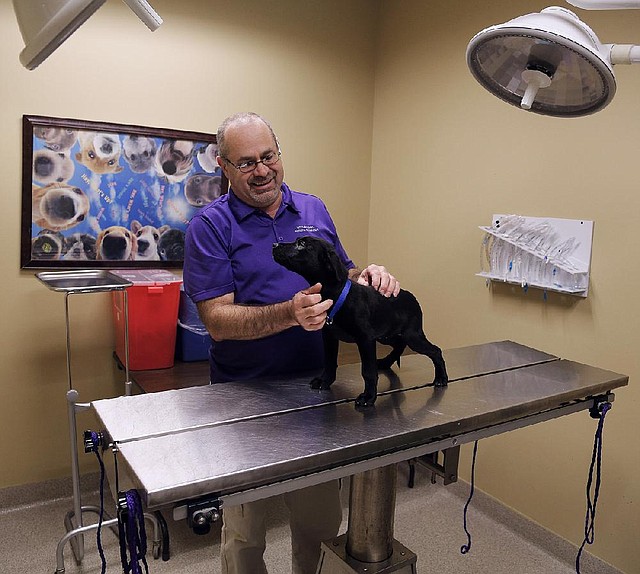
46, 25
550, 62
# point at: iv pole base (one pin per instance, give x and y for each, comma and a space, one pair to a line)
335, 560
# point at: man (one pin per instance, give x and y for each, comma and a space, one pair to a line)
263, 319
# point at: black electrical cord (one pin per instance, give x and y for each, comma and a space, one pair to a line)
599, 412
466, 547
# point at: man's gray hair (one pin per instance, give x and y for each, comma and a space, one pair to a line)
239, 118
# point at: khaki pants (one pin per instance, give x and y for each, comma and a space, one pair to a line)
315, 515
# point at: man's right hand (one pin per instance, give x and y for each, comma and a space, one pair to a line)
309, 310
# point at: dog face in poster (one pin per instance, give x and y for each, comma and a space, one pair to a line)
100, 152
56, 139
51, 167
58, 206
147, 237
139, 152
201, 189
105, 196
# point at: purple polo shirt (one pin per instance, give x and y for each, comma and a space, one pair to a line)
228, 250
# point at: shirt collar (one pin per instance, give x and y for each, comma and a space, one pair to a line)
242, 211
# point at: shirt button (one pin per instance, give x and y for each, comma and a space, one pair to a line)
280, 238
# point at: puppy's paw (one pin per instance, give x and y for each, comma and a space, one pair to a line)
320, 383
440, 382
365, 400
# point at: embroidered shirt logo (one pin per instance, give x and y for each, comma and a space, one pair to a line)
306, 229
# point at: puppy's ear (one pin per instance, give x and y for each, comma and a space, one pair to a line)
332, 264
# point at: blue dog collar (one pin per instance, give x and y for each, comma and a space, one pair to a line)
338, 304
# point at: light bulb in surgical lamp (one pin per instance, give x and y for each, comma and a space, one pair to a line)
535, 79
549, 62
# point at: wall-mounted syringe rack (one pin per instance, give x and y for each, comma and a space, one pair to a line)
547, 253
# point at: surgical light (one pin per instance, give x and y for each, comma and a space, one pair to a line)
550, 62
45, 25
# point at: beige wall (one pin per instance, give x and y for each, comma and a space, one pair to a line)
308, 71
446, 156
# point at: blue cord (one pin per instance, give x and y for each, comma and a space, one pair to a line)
133, 535
95, 442
466, 547
592, 501
596, 461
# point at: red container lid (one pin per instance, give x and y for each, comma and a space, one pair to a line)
147, 276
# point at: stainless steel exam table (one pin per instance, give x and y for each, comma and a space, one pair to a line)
203, 448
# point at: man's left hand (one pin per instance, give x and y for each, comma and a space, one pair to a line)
379, 278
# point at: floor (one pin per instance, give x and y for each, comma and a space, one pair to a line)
429, 521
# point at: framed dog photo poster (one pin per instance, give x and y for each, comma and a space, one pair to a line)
104, 195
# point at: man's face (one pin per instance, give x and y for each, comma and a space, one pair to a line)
252, 141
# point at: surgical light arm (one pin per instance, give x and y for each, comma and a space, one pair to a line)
605, 4
145, 12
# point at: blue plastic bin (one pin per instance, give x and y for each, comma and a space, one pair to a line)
192, 339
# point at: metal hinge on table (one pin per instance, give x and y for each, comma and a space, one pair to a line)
448, 470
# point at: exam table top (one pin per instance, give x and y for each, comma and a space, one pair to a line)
223, 439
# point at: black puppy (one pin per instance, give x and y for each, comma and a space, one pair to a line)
359, 314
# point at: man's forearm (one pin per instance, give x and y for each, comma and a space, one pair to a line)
245, 322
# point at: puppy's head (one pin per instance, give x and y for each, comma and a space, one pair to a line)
314, 259
80, 247
59, 206
47, 245
201, 189
139, 152
207, 158
116, 243
100, 152
56, 139
171, 245
50, 166
147, 237
174, 160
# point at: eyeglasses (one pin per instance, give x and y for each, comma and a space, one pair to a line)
248, 166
